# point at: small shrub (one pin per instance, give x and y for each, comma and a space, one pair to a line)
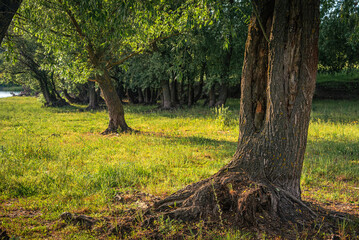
224, 117
41, 99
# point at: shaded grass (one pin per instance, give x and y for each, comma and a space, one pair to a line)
338, 77
54, 159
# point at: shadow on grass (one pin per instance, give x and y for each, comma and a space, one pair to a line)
74, 109
335, 111
192, 140
196, 111
342, 217
341, 149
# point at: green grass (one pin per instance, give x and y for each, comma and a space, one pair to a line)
54, 160
331, 166
338, 77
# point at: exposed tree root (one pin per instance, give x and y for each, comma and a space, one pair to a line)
225, 200
115, 131
232, 198
81, 220
3, 235
230, 201
109, 131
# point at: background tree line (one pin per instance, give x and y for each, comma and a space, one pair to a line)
60, 50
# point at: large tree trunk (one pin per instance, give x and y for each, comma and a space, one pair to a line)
115, 108
8, 9
261, 185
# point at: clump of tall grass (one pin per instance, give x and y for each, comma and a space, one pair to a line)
224, 117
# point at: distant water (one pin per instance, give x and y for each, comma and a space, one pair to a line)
4, 94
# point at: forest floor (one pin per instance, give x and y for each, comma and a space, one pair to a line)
54, 160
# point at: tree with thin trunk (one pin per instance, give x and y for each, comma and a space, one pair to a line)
261, 184
95, 36
22, 65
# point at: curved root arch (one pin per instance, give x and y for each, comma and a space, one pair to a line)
232, 198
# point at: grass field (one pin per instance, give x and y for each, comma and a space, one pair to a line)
54, 160
342, 77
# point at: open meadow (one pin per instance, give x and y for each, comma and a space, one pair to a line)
54, 160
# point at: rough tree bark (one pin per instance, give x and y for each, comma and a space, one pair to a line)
8, 9
261, 184
113, 102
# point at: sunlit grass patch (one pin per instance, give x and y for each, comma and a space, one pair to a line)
54, 160
331, 166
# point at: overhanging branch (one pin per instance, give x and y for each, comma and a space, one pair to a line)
130, 55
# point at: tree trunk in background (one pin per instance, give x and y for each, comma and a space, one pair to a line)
166, 95
223, 95
261, 185
212, 96
52, 98
190, 92
132, 96
82, 96
147, 95
8, 9
174, 93
115, 108
45, 90
154, 96
93, 103
201, 82
182, 94
140, 96
119, 88
48, 90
